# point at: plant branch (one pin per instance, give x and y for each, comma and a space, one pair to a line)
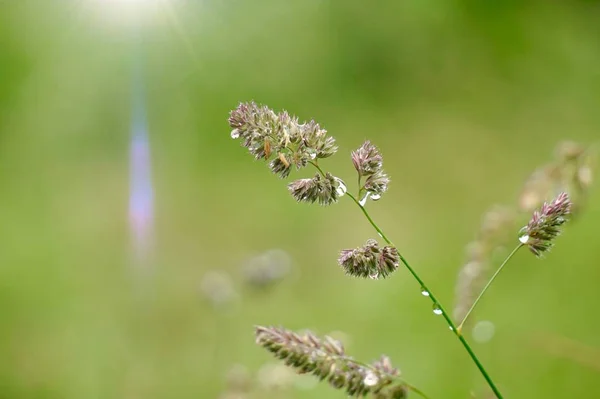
316, 165
437, 305
514, 251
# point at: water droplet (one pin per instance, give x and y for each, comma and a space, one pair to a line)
380, 235
375, 196
451, 329
363, 200
341, 188
312, 154
436, 309
424, 292
370, 379
235, 134
524, 238
374, 275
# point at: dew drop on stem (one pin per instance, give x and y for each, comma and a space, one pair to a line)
363, 200
436, 309
370, 379
375, 196
524, 238
341, 188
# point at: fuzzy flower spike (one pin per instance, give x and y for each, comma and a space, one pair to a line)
327, 360
545, 225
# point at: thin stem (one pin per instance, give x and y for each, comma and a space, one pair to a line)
416, 390
514, 251
430, 294
362, 208
318, 168
436, 303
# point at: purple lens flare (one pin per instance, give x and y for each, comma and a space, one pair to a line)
141, 194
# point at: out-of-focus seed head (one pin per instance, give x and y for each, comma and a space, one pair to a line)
497, 222
570, 171
238, 379
469, 281
540, 185
275, 377
568, 151
267, 269
584, 176
545, 225
234, 395
497, 227
217, 287
369, 260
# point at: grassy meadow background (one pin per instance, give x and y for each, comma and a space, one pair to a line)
464, 97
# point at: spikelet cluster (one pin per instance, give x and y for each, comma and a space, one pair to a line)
370, 260
368, 162
327, 360
279, 137
285, 143
323, 190
545, 225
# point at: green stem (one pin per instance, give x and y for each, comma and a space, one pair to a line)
430, 294
317, 166
416, 390
436, 303
514, 251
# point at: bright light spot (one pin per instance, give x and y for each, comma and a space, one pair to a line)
128, 1
125, 13
524, 238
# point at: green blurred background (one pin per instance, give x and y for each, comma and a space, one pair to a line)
464, 97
